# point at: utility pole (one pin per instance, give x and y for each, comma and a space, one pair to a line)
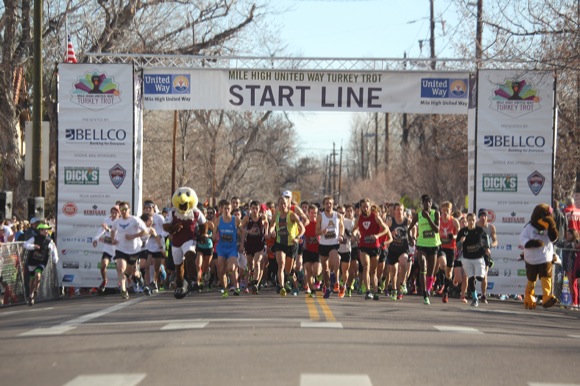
362, 154
432, 38
325, 176
376, 144
334, 172
386, 143
478, 34
339, 175
36, 202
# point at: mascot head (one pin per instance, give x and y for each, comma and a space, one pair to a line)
542, 220
184, 200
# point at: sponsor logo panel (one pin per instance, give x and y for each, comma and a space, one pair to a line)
78, 175
444, 88
500, 183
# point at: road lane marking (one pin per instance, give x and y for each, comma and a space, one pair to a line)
71, 324
321, 325
458, 329
98, 314
327, 312
107, 379
335, 380
183, 326
551, 384
55, 330
574, 336
312, 310
34, 309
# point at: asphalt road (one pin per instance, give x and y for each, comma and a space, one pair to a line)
268, 340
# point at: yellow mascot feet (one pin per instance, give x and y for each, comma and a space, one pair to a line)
529, 298
548, 300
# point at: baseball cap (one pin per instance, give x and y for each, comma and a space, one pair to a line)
34, 220
482, 212
43, 226
287, 194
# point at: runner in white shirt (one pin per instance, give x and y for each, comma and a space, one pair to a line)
330, 228
155, 246
126, 233
105, 238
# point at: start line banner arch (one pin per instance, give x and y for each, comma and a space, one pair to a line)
95, 170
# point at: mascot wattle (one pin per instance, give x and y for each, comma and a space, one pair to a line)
184, 223
537, 239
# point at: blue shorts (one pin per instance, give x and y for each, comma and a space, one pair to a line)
227, 252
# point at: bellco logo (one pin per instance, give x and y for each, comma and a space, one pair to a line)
512, 141
111, 135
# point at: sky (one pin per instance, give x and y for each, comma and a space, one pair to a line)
357, 29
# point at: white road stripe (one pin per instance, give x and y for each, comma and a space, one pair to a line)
321, 325
33, 309
552, 384
71, 324
574, 336
458, 329
56, 330
335, 380
107, 379
184, 325
98, 314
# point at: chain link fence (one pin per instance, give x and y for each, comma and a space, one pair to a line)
14, 276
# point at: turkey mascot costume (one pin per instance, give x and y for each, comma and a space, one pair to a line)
537, 238
184, 223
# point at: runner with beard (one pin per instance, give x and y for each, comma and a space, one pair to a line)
371, 227
330, 228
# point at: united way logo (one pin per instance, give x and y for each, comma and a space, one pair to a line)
95, 91
181, 84
515, 98
117, 174
536, 182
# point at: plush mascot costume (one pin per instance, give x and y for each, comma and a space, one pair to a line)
184, 223
537, 238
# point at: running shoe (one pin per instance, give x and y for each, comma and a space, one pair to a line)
125, 295
445, 298
341, 292
336, 288
333, 278
326, 293
102, 286
295, 291
282, 291
404, 288
393, 295
368, 296
246, 290
474, 303
312, 294
503, 297
348, 292
147, 291
225, 294
237, 292
484, 299
426, 301
317, 285
376, 296
463, 299
399, 296
154, 287
382, 284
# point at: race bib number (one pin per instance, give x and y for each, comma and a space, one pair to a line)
428, 234
330, 235
227, 238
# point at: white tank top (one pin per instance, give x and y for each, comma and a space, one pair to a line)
331, 226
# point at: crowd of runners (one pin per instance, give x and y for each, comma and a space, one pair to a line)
316, 249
